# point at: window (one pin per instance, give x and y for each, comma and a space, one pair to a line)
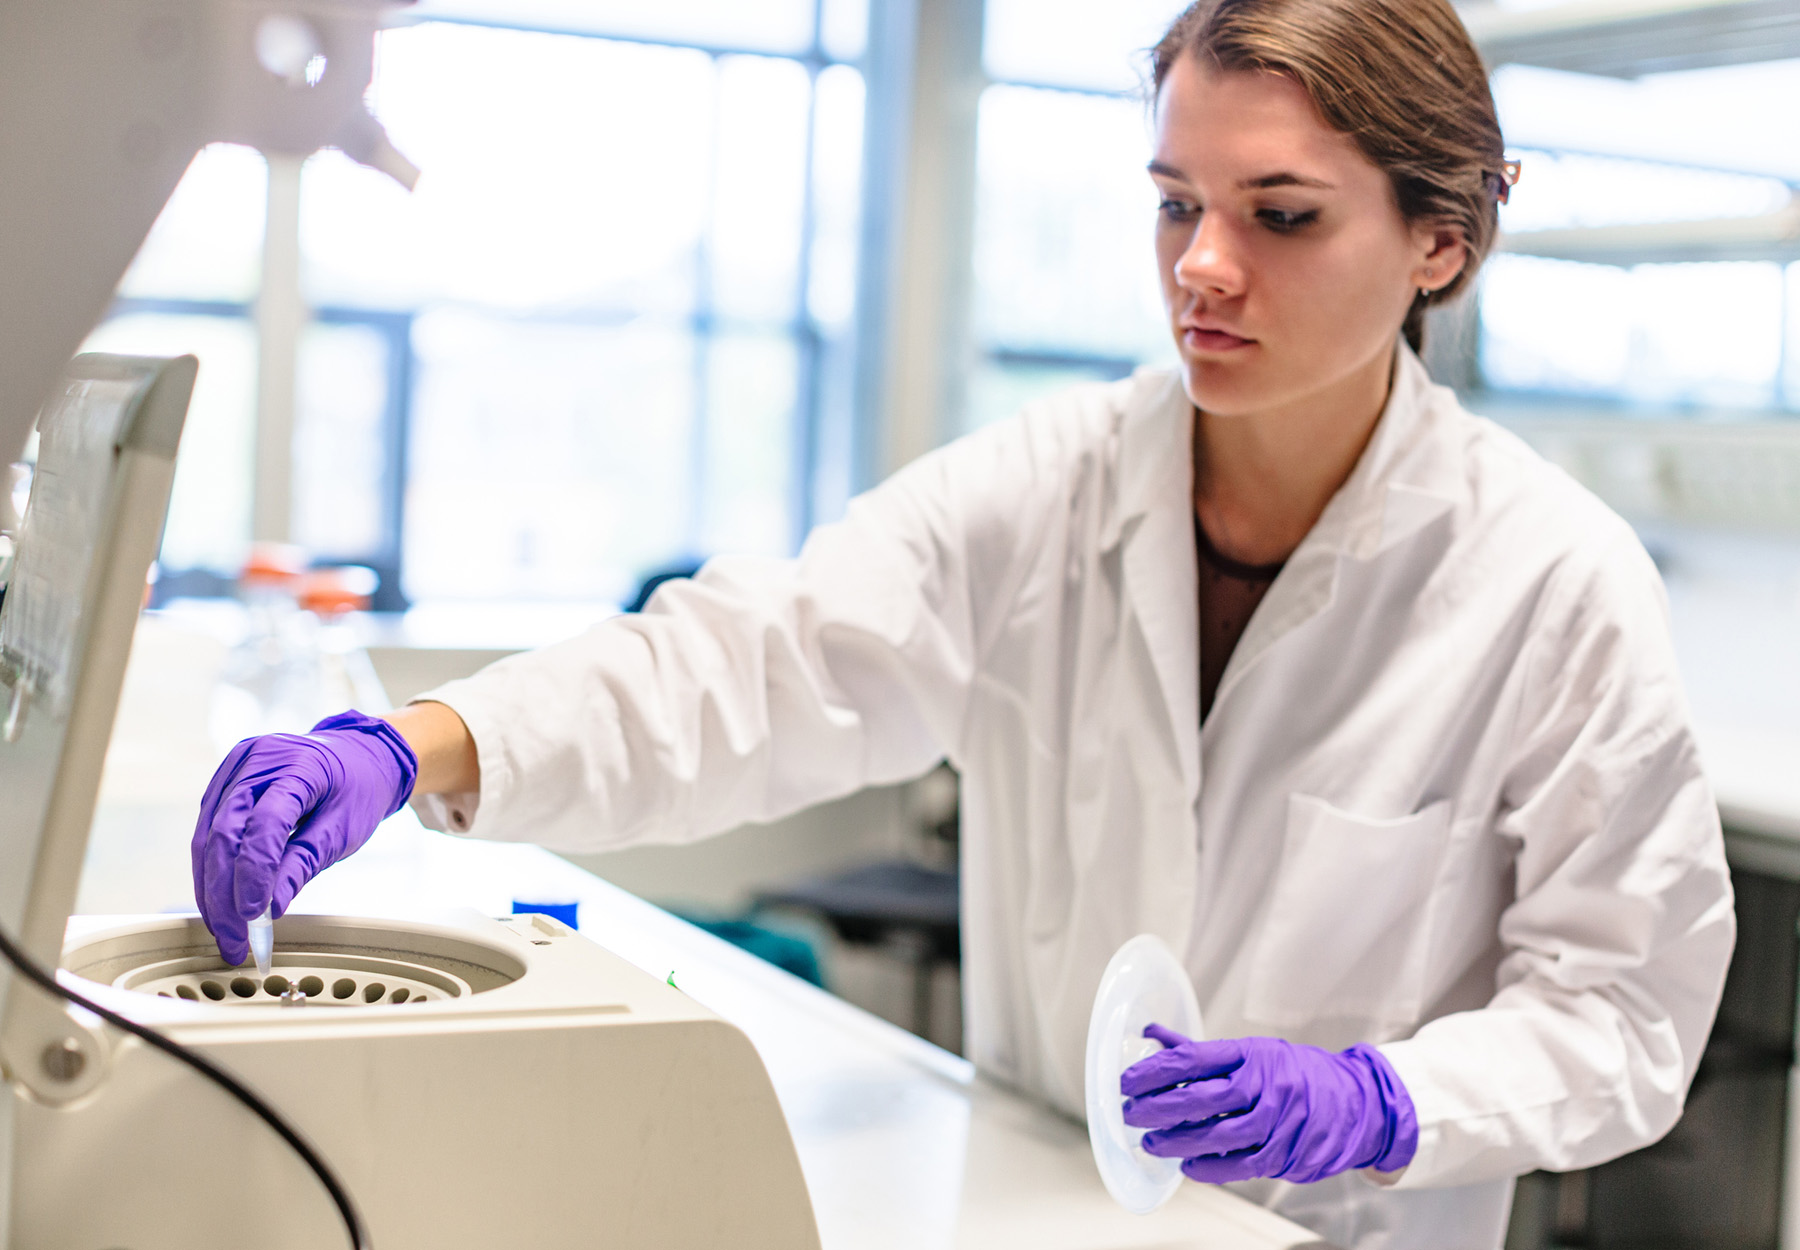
206, 245
1658, 335
352, 369
612, 329
209, 507
1645, 268
609, 331
622, 326
548, 460
1075, 44
1065, 273
1646, 264
189, 291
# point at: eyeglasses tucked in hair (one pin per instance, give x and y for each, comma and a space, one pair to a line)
1504, 181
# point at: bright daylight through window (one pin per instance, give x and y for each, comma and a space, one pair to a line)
612, 330
1644, 268
609, 332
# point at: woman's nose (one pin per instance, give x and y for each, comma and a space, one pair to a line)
1209, 264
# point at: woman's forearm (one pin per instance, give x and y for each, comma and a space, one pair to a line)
448, 763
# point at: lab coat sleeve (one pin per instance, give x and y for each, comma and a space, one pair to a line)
1621, 924
762, 686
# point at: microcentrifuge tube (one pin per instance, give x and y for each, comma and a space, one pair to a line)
262, 941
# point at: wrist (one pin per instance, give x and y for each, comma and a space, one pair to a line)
1394, 1135
443, 746
394, 756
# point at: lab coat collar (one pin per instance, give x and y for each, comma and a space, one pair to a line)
1401, 483
1155, 454
1395, 490
1404, 480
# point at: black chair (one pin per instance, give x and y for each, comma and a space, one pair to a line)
901, 906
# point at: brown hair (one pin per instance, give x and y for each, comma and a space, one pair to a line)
1400, 77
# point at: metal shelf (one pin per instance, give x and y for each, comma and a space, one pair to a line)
1630, 38
1769, 236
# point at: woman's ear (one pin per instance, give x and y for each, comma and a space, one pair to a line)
1442, 252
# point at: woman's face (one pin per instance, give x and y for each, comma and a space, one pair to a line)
1286, 266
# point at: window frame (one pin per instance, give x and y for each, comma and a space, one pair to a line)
812, 341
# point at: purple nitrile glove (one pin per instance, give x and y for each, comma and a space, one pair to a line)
1260, 1106
284, 807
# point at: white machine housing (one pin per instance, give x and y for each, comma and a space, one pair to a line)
564, 1099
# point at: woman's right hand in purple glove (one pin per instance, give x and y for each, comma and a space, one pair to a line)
283, 807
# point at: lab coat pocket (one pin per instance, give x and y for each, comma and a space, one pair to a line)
1344, 937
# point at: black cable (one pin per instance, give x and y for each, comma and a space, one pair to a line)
34, 972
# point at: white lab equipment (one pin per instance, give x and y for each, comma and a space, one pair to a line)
1143, 984
474, 1083
468, 1082
106, 102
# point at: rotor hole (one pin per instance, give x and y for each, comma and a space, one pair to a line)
164, 994
312, 986
213, 990
343, 987
276, 985
401, 995
187, 992
243, 987
373, 991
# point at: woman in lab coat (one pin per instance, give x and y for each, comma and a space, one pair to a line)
1283, 656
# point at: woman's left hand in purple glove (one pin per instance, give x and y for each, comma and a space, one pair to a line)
1260, 1106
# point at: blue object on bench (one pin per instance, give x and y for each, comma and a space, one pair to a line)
564, 912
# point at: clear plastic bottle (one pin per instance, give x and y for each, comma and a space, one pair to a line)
299, 660
344, 676
268, 680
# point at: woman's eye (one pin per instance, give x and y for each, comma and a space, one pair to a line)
1283, 221
1178, 210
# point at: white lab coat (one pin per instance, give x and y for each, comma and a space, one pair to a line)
1447, 799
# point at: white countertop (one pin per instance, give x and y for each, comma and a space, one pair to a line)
1734, 602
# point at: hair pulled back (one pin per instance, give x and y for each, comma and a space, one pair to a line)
1400, 77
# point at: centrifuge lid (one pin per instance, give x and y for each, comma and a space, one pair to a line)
1143, 984
99, 494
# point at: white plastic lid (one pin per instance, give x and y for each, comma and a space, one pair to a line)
1144, 984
